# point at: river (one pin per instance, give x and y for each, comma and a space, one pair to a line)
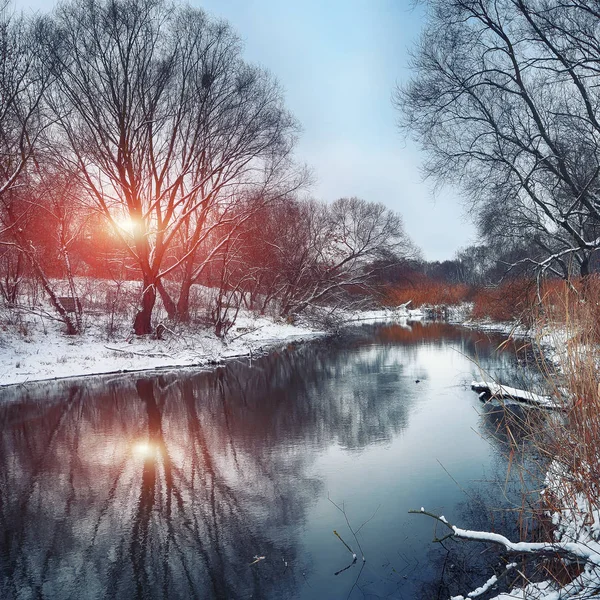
224, 484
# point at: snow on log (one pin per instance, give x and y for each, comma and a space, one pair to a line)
504, 392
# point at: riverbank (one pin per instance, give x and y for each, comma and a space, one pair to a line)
35, 349
568, 556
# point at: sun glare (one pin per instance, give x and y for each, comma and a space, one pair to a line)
126, 225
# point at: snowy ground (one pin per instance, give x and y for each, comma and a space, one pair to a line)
46, 353
34, 349
512, 328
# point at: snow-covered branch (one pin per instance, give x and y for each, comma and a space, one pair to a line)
570, 550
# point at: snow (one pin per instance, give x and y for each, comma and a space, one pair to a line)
589, 552
510, 393
381, 315
491, 582
459, 313
37, 349
47, 353
509, 328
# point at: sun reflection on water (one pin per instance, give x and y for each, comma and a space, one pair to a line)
146, 450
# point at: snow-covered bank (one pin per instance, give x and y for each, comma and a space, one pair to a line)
381, 315
509, 328
570, 489
38, 350
46, 353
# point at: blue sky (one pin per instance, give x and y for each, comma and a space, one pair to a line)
338, 62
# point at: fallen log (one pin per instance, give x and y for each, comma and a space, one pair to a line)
491, 390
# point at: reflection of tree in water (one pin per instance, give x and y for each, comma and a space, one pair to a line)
124, 494
317, 395
167, 487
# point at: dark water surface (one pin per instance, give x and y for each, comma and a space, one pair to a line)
170, 486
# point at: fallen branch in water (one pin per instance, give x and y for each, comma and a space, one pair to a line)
491, 389
572, 551
349, 550
343, 542
579, 553
342, 509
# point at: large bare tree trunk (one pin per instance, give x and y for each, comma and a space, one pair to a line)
183, 302
142, 324
176, 311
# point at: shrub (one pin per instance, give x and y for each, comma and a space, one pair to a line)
511, 300
428, 291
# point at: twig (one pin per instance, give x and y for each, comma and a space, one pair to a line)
369, 519
343, 542
237, 337
147, 354
460, 487
343, 511
346, 568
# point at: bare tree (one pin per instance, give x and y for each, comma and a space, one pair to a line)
219, 230
22, 84
165, 122
504, 101
57, 196
24, 80
312, 254
42, 218
355, 236
22, 122
12, 268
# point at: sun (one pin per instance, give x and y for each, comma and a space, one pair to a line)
126, 225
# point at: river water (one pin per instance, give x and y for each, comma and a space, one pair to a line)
222, 484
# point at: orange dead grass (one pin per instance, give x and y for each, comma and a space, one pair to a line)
518, 299
428, 291
513, 299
